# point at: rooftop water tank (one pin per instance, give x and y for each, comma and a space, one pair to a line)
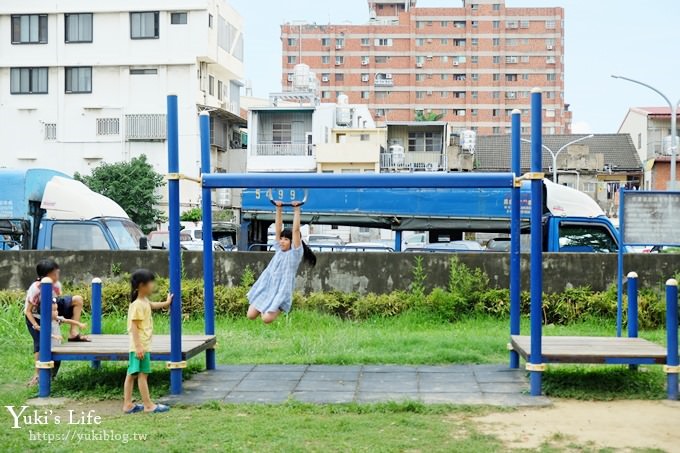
397, 152
343, 112
468, 140
301, 77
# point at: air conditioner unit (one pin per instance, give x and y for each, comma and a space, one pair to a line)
378, 114
388, 76
419, 65
429, 57
290, 77
455, 63
549, 47
337, 63
429, 40
364, 62
324, 79
339, 46
429, 92
364, 78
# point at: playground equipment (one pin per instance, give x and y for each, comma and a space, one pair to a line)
535, 349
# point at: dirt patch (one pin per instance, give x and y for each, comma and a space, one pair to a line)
624, 425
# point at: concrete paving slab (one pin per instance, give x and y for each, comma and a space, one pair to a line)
453, 398
280, 368
252, 385
334, 368
231, 369
388, 368
380, 397
274, 375
326, 386
450, 387
331, 375
324, 397
388, 387
503, 387
445, 369
397, 376
257, 397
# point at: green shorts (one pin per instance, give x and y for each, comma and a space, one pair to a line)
139, 365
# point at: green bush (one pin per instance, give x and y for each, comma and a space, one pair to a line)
467, 294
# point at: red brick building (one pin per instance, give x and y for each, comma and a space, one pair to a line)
473, 64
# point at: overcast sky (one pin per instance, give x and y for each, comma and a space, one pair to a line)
635, 38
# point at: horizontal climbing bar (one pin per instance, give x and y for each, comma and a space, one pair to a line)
357, 181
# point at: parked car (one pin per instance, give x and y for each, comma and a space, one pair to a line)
498, 245
366, 247
448, 247
324, 239
417, 240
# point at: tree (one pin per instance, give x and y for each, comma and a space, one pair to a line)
133, 185
429, 116
192, 215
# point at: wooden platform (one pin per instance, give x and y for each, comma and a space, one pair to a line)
116, 347
607, 350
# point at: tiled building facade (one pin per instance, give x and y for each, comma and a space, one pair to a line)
471, 64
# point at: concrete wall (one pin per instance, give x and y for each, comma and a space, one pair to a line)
363, 272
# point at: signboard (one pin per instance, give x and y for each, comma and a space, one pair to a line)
650, 218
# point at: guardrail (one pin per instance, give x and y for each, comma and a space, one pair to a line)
284, 149
414, 160
327, 248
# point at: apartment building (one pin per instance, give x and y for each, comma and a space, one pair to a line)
82, 83
469, 66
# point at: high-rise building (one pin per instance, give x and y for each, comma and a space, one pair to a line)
469, 66
84, 83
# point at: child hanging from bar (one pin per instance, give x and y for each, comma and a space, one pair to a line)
272, 293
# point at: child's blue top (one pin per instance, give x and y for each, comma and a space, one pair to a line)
274, 289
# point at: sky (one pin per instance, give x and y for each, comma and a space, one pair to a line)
634, 38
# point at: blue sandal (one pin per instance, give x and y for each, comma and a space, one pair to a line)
136, 408
160, 408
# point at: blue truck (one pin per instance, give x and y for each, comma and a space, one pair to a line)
43, 209
572, 221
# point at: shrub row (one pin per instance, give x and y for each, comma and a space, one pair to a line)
467, 294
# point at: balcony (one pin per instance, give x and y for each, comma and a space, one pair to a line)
284, 149
384, 82
413, 161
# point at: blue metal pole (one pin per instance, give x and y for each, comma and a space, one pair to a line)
515, 257
419, 180
45, 354
208, 276
619, 268
96, 312
175, 252
672, 360
536, 358
397, 240
632, 305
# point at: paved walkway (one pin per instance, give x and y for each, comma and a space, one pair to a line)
456, 384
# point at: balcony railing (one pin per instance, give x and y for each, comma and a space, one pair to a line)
413, 161
384, 82
284, 149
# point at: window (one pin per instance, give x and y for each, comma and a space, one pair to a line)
365, 42
474, 112
29, 29
590, 187
381, 59
474, 76
282, 133
143, 71
551, 77
496, 24
550, 24
444, 24
108, 126
459, 42
339, 60
459, 94
525, 76
496, 77
210, 21
420, 42
524, 59
459, 23
550, 113
474, 7
510, 95
365, 94
420, 77
444, 41
550, 42
380, 112
475, 24
474, 94
339, 77
495, 94
420, 95
74, 236
325, 59
496, 7
550, 95
523, 24
459, 77
444, 76
292, 42
444, 94
474, 59
145, 127
144, 25
495, 112
510, 59
420, 24
50, 131
424, 141
495, 130
365, 60
496, 42
444, 58
364, 137
78, 27
339, 43
211, 85
178, 18
511, 24
586, 238
511, 42
459, 112
496, 59
325, 42
78, 80
220, 90
28, 81
325, 95
383, 41
292, 59
474, 42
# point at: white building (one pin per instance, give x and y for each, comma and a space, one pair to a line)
650, 129
84, 82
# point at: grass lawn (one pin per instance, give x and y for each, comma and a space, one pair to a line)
307, 337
